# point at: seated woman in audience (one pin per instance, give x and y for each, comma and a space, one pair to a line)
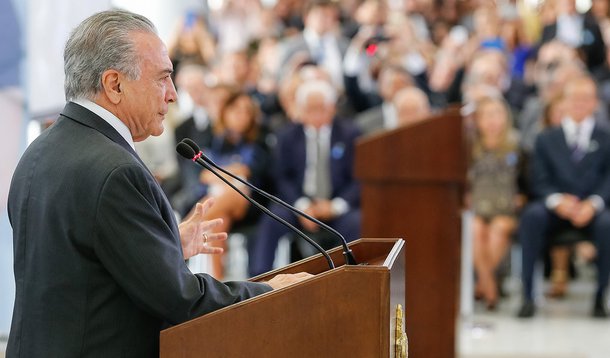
493, 192
236, 147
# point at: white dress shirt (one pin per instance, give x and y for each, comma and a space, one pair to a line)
578, 134
339, 205
116, 123
390, 117
570, 29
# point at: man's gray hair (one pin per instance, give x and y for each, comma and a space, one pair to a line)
99, 43
316, 86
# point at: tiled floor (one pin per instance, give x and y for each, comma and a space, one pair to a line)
561, 329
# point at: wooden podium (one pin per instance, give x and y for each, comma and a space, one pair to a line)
412, 185
349, 311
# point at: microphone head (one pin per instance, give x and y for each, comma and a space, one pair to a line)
191, 143
185, 150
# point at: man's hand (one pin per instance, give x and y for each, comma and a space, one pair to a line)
283, 280
583, 214
206, 177
324, 210
308, 224
567, 206
196, 233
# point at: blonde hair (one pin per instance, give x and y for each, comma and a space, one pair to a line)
509, 139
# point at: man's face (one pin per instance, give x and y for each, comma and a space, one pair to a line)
321, 19
566, 7
315, 111
145, 101
549, 59
390, 82
580, 99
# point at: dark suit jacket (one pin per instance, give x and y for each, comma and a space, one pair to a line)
186, 197
371, 120
554, 172
99, 268
593, 45
290, 162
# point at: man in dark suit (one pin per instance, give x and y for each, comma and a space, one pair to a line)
198, 127
578, 31
314, 171
99, 258
571, 179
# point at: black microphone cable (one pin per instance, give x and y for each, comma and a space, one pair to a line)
347, 252
188, 152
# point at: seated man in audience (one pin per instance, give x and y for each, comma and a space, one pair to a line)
412, 106
392, 78
571, 179
314, 171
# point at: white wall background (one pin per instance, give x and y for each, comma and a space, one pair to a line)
48, 24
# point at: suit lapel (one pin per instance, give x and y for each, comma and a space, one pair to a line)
300, 153
560, 142
335, 162
596, 139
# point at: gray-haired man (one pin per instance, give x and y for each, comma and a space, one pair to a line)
99, 258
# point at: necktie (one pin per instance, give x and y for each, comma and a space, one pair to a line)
323, 185
318, 52
577, 152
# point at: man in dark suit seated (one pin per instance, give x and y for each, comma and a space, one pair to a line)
99, 258
571, 179
314, 171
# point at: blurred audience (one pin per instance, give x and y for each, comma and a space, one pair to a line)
379, 64
579, 31
191, 42
392, 79
235, 146
320, 41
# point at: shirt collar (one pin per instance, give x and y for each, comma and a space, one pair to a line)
311, 131
311, 38
390, 117
576, 132
201, 118
106, 115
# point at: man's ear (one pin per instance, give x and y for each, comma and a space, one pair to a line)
111, 85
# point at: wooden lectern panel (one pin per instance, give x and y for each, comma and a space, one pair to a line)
344, 312
429, 151
412, 186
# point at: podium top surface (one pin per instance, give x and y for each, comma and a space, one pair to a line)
374, 255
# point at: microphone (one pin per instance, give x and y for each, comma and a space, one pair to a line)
347, 252
188, 152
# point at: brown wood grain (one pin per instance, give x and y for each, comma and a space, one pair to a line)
343, 312
412, 185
